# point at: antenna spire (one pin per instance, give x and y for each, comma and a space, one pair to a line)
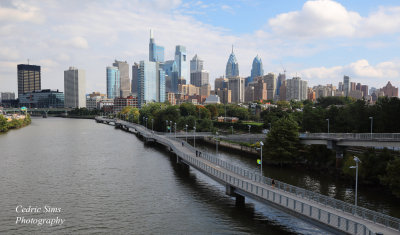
151, 33
232, 48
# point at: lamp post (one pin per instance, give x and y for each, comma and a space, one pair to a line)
372, 121
357, 160
166, 126
194, 137
152, 122
261, 145
175, 129
216, 141
186, 131
249, 128
170, 129
328, 124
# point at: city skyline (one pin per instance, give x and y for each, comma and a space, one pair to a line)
334, 48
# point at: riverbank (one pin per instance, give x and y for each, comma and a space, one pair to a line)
6, 125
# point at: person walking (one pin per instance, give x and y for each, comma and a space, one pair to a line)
273, 183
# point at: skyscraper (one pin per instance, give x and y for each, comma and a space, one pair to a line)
280, 81
346, 85
123, 67
160, 83
256, 69
296, 89
134, 83
181, 62
220, 83
29, 78
174, 77
199, 78
74, 88
113, 82
236, 85
196, 64
151, 83
156, 52
270, 79
232, 66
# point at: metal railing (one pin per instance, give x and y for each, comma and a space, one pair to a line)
339, 222
352, 136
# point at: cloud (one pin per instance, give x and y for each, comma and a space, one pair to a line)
227, 9
18, 11
327, 18
360, 69
77, 42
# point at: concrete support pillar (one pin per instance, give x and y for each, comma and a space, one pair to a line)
339, 156
240, 200
229, 190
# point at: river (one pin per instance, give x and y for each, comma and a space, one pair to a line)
103, 180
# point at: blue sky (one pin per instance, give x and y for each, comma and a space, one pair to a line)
320, 40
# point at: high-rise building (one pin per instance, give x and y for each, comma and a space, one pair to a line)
134, 83
113, 82
196, 64
156, 52
161, 91
42, 99
232, 66
205, 90
220, 83
390, 91
364, 89
151, 83
346, 85
74, 88
296, 89
256, 69
236, 85
181, 62
123, 67
225, 95
199, 78
167, 66
29, 78
280, 80
270, 79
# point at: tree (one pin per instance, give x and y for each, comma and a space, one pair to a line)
213, 110
3, 124
392, 177
282, 141
187, 109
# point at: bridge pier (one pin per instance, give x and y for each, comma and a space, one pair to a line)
331, 144
230, 190
182, 166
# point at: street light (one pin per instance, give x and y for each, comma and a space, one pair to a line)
186, 131
166, 126
357, 160
328, 124
175, 129
372, 121
194, 137
249, 128
216, 140
170, 129
261, 145
152, 122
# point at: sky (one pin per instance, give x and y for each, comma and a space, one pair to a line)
318, 40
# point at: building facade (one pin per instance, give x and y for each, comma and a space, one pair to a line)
42, 99
125, 85
256, 69
232, 66
181, 62
390, 91
7, 96
225, 95
156, 52
134, 83
221, 83
296, 89
147, 83
270, 79
199, 78
196, 64
113, 82
75, 88
346, 85
29, 78
236, 85
122, 102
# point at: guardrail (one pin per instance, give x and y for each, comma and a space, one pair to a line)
344, 207
352, 136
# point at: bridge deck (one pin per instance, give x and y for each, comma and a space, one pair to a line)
259, 188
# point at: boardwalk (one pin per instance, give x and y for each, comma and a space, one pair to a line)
328, 213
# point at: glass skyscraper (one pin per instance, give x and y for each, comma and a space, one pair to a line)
232, 66
147, 83
156, 52
181, 62
113, 82
256, 69
29, 78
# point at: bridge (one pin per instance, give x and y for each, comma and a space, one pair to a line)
326, 212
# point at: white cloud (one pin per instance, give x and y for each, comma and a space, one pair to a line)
360, 69
77, 42
21, 12
327, 18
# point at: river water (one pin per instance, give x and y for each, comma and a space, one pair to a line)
101, 180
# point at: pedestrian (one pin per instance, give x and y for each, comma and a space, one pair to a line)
273, 183
182, 143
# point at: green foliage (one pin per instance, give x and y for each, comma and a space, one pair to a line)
84, 112
205, 125
3, 124
187, 109
213, 110
392, 177
282, 141
327, 101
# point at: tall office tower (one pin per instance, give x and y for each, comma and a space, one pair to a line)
358, 86
160, 87
281, 79
156, 52
134, 83
113, 82
74, 88
236, 85
390, 90
196, 64
346, 85
364, 89
282, 91
168, 66
340, 87
29, 78
225, 95
199, 78
270, 79
352, 86
220, 83
7, 96
256, 69
232, 66
174, 78
123, 67
296, 89
181, 62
